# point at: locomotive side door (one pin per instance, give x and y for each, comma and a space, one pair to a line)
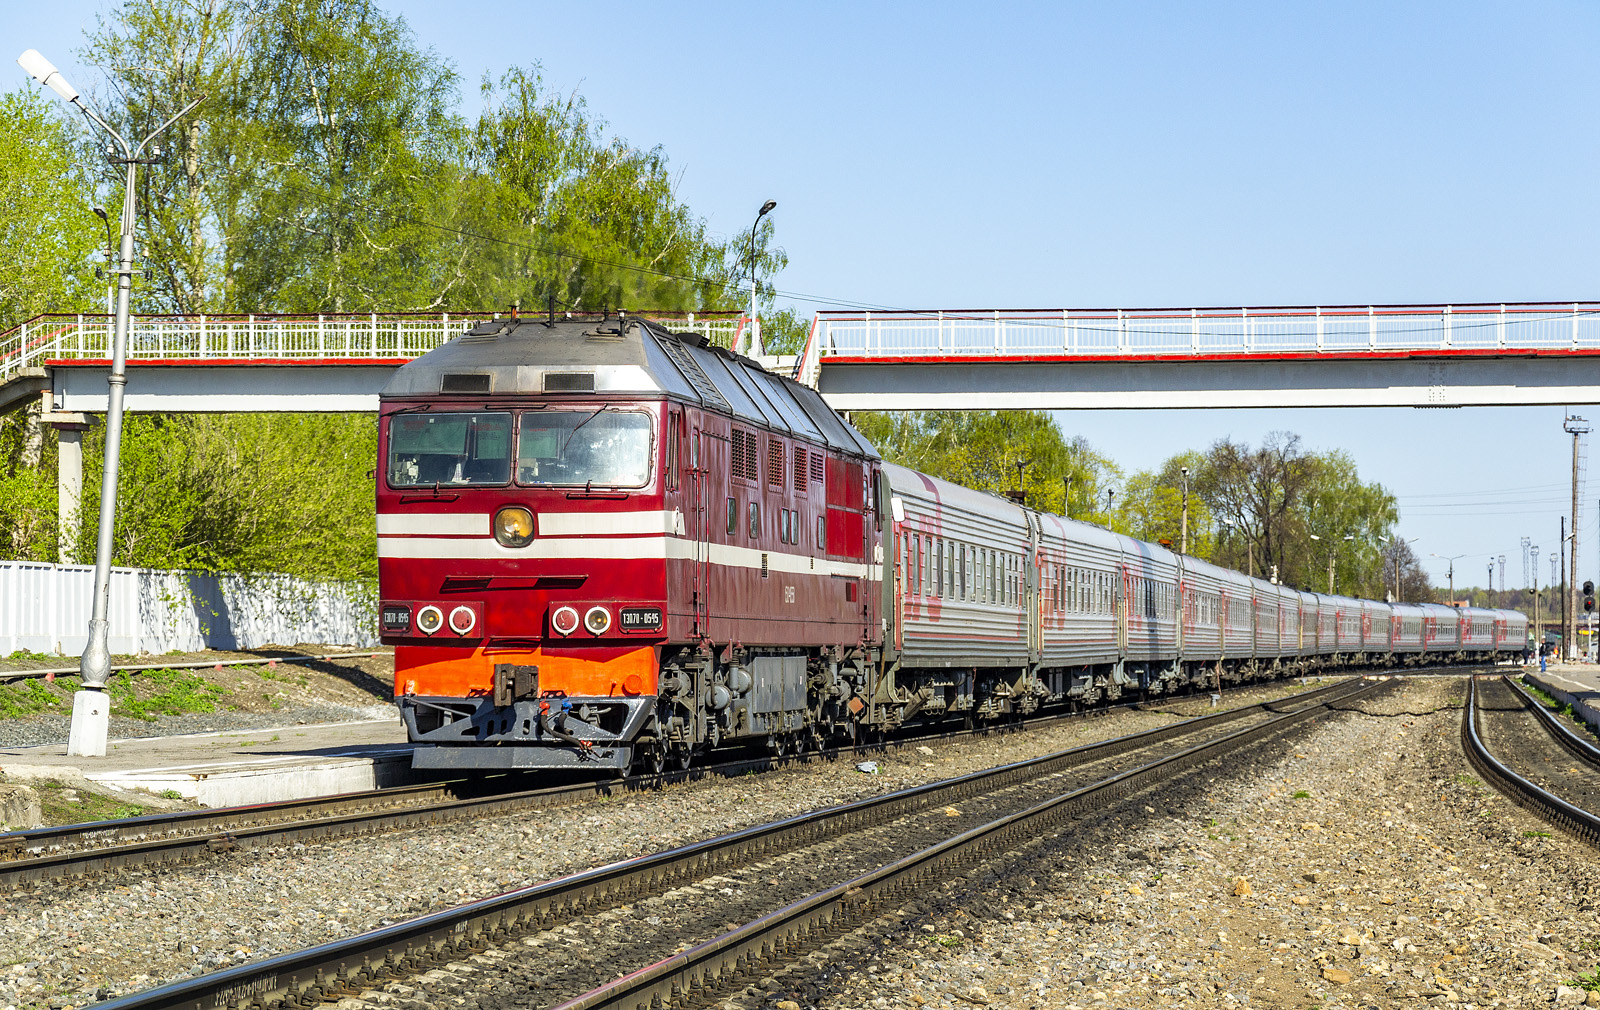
700, 471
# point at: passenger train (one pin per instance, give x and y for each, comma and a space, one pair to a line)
605, 545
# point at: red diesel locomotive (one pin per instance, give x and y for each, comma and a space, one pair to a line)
602, 545
600, 542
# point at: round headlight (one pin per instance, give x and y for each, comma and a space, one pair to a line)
430, 619
597, 620
564, 620
513, 526
462, 620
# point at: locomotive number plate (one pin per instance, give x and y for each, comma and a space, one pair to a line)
640, 618
396, 620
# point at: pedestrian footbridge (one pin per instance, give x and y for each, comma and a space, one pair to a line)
1311, 356
1485, 354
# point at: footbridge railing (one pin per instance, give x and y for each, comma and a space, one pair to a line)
963, 335
243, 338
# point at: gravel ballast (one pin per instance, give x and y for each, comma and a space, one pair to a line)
1362, 866
70, 943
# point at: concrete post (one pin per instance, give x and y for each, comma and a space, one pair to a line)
69, 487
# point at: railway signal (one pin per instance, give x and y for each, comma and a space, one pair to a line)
1588, 597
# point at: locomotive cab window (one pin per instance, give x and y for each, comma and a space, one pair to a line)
428, 449
607, 447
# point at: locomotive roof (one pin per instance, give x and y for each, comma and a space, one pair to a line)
629, 357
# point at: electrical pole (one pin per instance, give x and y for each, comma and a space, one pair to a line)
1569, 600
1184, 537
1538, 634
1562, 554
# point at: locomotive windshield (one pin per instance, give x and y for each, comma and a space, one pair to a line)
606, 447
428, 449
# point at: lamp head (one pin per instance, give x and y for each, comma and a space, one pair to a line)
766, 209
45, 72
100, 212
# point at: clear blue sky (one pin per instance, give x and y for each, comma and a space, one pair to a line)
1121, 155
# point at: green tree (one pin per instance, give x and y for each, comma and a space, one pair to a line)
1152, 502
1283, 509
48, 234
559, 209
158, 56
982, 450
243, 492
359, 145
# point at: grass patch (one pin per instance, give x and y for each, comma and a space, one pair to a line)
25, 698
162, 692
24, 656
1591, 981
1536, 834
170, 794
1465, 780
60, 803
1301, 794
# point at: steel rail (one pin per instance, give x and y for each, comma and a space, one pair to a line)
78, 849
344, 967
740, 954
1540, 802
1569, 739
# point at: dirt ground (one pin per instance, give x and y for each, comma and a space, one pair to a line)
255, 688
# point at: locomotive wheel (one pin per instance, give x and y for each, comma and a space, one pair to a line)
778, 745
678, 758
650, 759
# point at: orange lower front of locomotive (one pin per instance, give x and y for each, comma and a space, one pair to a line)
540, 707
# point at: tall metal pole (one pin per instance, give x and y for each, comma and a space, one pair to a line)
1566, 642
1569, 599
1538, 633
95, 666
755, 327
1184, 536
90, 710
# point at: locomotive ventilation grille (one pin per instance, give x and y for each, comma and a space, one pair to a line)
464, 382
569, 382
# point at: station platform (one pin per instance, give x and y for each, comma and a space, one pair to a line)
231, 768
1577, 684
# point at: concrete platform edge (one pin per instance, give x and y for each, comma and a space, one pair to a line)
1583, 709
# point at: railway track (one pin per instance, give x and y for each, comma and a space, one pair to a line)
1555, 773
793, 883
165, 839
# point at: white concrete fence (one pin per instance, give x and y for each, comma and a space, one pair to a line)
45, 608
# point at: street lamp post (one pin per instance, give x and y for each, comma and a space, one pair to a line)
1452, 573
1332, 546
90, 709
755, 328
1538, 635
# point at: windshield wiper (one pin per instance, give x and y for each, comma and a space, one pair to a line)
580, 424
